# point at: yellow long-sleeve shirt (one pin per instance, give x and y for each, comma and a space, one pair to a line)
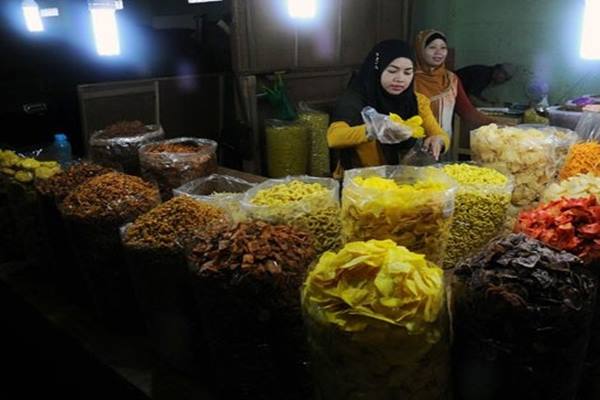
340, 135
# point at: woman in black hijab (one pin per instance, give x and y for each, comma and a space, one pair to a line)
384, 82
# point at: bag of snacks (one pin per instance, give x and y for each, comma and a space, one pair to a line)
412, 206
521, 319
317, 123
575, 187
30, 230
573, 225
154, 246
117, 145
174, 162
583, 157
529, 155
94, 212
246, 281
480, 208
308, 203
377, 324
225, 192
287, 147
52, 192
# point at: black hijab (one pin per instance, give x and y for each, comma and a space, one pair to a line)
365, 90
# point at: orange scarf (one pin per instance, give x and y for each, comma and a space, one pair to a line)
429, 81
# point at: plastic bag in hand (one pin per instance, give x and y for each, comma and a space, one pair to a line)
380, 127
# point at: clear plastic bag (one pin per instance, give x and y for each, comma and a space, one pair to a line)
480, 209
225, 192
514, 335
319, 214
588, 127
583, 156
376, 331
318, 123
94, 213
529, 155
287, 147
121, 152
174, 162
412, 206
418, 156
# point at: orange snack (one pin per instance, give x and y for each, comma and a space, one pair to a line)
583, 158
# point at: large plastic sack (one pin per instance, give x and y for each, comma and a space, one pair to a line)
480, 209
94, 213
223, 191
318, 123
174, 162
521, 314
529, 155
155, 251
117, 145
583, 156
247, 282
377, 324
308, 203
287, 148
412, 206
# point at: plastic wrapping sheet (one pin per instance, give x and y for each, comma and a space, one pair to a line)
287, 148
583, 156
480, 209
521, 318
121, 152
172, 163
225, 192
376, 330
94, 212
317, 213
529, 155
318, 123
412, 206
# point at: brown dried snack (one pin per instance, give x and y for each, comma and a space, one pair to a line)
170, 225
175, 148
63, 183
522, 321
112, 198
247, 284
124, 129
174, 162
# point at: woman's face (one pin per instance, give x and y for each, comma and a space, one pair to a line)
397, 76
435, 53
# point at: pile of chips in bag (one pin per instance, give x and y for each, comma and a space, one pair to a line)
377, 323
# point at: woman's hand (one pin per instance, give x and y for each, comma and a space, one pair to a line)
434, 145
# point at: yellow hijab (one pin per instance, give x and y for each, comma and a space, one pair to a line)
429, 81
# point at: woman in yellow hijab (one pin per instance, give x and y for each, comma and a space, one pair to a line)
441, 86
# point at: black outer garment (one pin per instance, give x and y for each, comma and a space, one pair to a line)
365, 90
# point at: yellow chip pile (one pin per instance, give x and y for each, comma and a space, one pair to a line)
24, 169
375, 281
574, 187
286, 193
415, 214
530, 155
